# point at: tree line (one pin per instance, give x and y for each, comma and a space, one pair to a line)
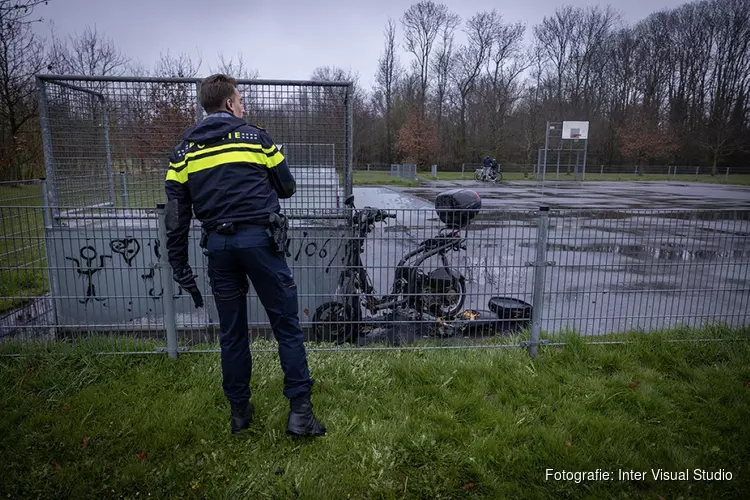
450, 88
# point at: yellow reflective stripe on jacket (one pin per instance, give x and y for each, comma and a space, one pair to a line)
216, 156
174, 175
214, 149
219, 159
274, 160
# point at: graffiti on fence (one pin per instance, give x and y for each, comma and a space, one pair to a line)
89, 262
117, 276
127, 247
86, 269
326, 251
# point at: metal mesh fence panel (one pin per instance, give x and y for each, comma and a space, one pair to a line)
96, 278
647, 270
311, 122
26, 311
80, 171
109, 139
102, 276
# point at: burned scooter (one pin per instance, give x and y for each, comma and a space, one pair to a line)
429, 302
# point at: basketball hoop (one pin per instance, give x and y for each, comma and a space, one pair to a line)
575, 137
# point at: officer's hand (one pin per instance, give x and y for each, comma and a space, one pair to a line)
186, 279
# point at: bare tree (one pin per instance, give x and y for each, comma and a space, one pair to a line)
555, 37
386, 78
19, 12
623, 66
470, 59
654, 68
422, 23
21, 58
180, 66
591, 33
327, 100
441, 67
90, 54
172, 106
506, 61
238, 69
729, 78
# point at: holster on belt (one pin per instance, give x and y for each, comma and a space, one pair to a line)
278, 231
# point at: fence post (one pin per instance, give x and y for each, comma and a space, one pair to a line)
49, 161
538, 163
51, 278
349, 146
462, 170
166, 280
585, 157
540, 265
198, 107
46, 217
726, 176
434, 171
107, 150
636, 170
674, 172
546, 146
696, 171
124, 187
601, 169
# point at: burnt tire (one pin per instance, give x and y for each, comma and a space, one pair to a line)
332, 322
451, 309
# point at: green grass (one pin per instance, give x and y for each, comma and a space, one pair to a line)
364, 178
469, 175
402, 424
743, 180
23, 274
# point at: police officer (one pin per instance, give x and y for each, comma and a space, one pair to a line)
232, 175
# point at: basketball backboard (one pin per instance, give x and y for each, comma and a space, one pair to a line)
575, 130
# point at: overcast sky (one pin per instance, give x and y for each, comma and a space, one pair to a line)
282, 39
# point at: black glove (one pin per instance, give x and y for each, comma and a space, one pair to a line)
186, 279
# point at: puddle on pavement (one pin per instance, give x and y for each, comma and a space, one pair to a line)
717, 215
396, 229
616, 230
722, 231
663, 252
635, 286
643, 285
744, 284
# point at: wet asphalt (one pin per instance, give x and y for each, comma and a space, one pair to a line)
601, 195
621, 256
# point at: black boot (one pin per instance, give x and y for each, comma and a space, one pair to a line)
302, 421
242, 416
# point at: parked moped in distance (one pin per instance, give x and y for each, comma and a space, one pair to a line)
439, 293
